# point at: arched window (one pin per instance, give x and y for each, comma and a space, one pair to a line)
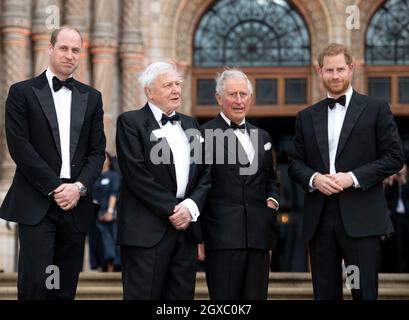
247, 33
387, 54
268, 40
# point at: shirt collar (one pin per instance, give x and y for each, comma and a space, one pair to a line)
348, 96
229, 121
157, 112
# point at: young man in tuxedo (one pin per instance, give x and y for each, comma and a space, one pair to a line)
238, 220
163, 191
55, 135
344, 147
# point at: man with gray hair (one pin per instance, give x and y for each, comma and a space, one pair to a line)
239, 216
163, 192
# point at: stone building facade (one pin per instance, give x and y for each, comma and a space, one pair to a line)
122, 37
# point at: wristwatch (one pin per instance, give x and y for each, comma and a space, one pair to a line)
83, 189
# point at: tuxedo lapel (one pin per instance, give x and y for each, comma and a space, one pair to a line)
45, 98
78, 108
151, 124
356, 106
258, 144
187, 124
320, 122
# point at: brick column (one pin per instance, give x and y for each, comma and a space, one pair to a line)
132, 55
104, 50
15, 38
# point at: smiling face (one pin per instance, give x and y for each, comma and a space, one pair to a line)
65, 53
165, 92
336, 74
235, 99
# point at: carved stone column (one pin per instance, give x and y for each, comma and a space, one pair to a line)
132, 55
15, 31
43, 25
77, 13
104, 49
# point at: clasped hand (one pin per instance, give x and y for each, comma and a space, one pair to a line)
67, 196
330, 184
181, 217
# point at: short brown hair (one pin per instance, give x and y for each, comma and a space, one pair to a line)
56, 32
332, 50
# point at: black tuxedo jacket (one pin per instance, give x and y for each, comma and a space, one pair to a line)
148, 193
34, 144
236, 215
369, 146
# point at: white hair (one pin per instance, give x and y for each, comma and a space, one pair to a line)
231, 73
155, 69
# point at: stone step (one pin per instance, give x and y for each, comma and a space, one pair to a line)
108, 286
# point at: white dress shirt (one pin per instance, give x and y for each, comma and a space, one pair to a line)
244, 139
180, 147
336, 118
62, 102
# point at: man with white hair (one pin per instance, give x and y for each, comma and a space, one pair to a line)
238, 219
162, 192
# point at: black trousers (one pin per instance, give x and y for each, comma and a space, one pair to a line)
401, 237
166, 271
237, 274
55, 241
330, 245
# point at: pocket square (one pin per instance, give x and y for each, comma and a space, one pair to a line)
267, 146
158, 133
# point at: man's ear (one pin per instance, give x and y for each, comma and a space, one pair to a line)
50, 49
318, 70
148, 92
219, 99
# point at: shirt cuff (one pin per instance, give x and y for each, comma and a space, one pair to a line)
312, 188
275, 201
192, 207
356, 183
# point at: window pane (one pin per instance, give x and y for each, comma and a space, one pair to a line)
251, 33
380, 87
266, 91
295, 91
206, 89
404, 90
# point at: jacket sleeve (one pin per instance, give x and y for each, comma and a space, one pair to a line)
28, 161
95, 156
391, 158
298, 169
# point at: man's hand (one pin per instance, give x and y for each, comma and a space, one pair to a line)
67, 196
181, 217
342, 179
272, 204
201, 252
106, 217
326, 185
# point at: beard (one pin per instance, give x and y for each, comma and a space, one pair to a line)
336, 90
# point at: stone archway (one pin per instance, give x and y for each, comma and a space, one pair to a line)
183, 16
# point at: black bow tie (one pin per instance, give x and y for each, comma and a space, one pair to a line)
341, 100
58, 84
235, 126
165, 119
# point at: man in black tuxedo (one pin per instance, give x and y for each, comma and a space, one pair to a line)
238, 221
55, 135
397, 197
163, 191
344, 147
